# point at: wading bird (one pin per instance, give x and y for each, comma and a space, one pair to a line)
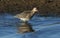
25, 17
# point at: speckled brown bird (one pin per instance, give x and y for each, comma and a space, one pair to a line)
25, 17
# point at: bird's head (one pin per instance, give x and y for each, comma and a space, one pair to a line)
34, 9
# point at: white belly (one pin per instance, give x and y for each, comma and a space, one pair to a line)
24, 19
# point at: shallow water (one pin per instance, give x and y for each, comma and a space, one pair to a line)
45, 27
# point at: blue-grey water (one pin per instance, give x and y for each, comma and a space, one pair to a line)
45, 27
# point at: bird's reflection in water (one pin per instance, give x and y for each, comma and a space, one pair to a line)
25, 28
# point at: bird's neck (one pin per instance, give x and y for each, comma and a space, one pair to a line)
32, 14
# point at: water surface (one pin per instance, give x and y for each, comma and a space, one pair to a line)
45, 27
